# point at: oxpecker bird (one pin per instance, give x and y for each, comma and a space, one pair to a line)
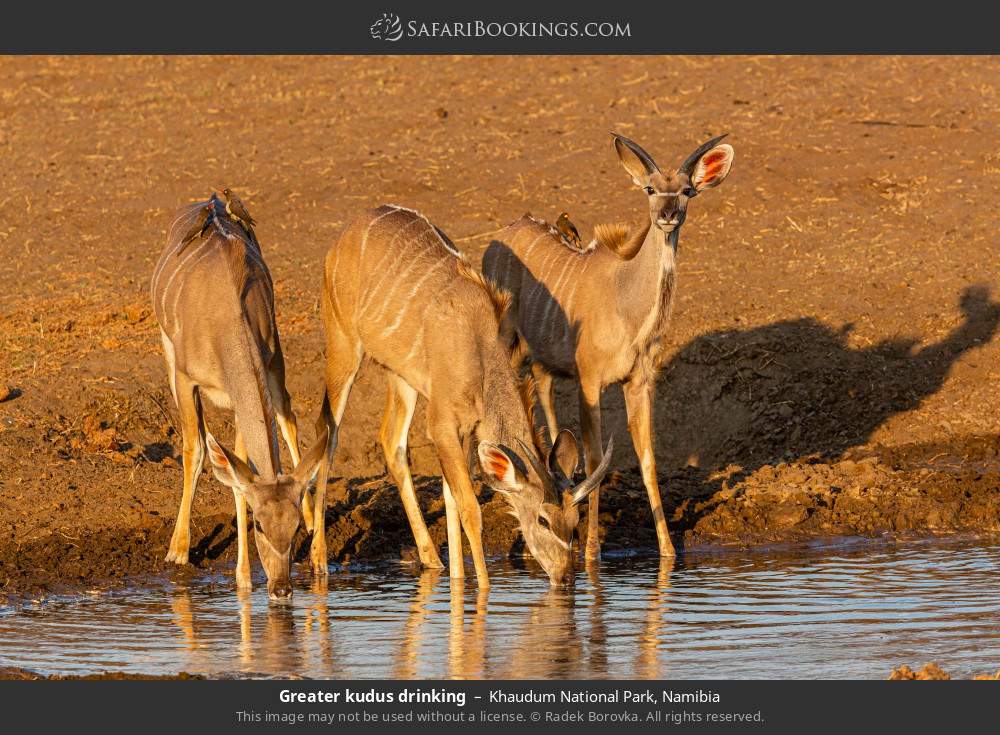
567, 229
200, 225
237, 210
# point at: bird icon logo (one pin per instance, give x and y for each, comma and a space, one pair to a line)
387, 28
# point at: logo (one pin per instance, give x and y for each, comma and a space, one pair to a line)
387, 28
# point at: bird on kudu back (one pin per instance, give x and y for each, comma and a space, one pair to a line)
236, 209
200, 224
567, 229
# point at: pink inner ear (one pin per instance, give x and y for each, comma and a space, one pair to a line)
714, 157
219, 457
497, 463
709, 175
712, 166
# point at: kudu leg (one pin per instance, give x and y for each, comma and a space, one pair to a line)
639, 405
399, 407
545, 386
243, 580
342, 363
456, 562
454, 464
193, 437
590, 425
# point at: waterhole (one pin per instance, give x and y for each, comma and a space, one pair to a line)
854, 609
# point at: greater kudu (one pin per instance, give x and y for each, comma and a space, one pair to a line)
599, 313
214, 301
396, 289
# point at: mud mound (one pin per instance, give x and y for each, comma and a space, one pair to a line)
931, 672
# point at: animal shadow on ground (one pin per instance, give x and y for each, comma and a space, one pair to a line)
732, 401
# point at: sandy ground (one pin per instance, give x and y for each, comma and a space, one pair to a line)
833, 353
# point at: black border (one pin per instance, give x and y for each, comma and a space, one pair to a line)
656, 27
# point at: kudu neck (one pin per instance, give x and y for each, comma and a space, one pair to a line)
247, 374
504, 419
640, 278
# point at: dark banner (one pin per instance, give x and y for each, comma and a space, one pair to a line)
444, 27
501, 706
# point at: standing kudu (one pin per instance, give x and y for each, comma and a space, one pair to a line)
214, 301
396, 289
599, 314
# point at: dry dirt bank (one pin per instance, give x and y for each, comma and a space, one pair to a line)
833, 359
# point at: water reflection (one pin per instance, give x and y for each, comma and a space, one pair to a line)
656, 627
597, 649
546, 643
466, 631
317, 641
412, 640
838, 612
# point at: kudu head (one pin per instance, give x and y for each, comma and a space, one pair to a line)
276, 505
543, 498
669, 194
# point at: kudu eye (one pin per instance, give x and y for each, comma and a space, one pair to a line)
690, 192
256, 527
649, 190
543, 521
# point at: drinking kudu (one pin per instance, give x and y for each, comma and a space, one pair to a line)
396, 289
599, 314
214, 301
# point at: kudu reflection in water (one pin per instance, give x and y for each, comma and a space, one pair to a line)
466, 643
283, 645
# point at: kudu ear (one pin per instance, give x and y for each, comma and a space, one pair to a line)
639, 164
308, 466
499, 469
229, 469
709, 164
713, 168
564, 455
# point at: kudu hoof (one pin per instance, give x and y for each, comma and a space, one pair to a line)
319, 564
177, 557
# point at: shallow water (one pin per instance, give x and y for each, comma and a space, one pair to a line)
852, 610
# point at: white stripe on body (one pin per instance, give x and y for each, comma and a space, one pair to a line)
400, 277
439, 298
374, 288
173, 250
540, 287
364, 238
451, 249
183, 282
552, 298
416, 287
178, 269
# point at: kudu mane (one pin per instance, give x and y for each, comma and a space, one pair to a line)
526, 390
499, 297
616, 237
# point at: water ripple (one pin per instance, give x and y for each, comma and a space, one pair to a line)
852, 611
